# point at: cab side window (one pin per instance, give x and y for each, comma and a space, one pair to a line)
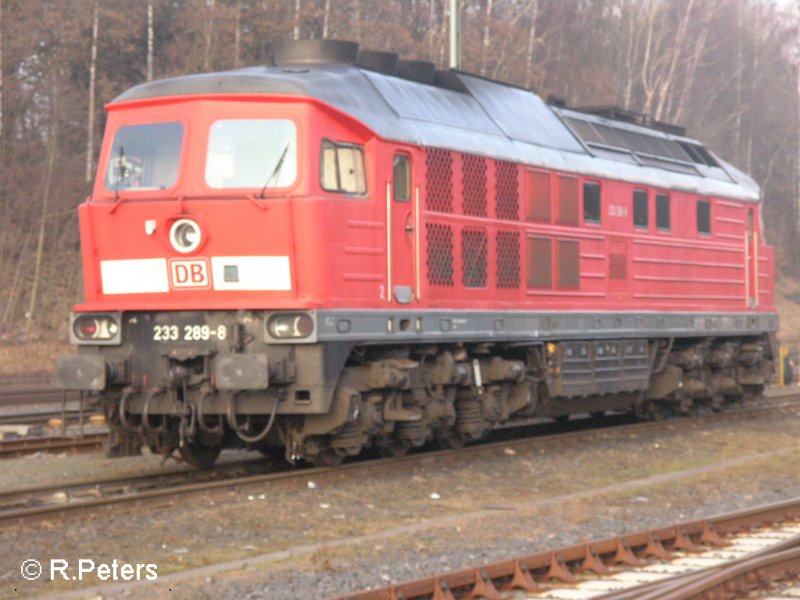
342, 168
402, 178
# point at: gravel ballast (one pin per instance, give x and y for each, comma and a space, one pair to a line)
322, 540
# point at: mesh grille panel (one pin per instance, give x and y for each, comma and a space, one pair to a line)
473, 257
507, 259
474, 178
507, 185
439, 185
440, 254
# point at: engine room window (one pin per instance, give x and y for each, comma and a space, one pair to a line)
591, 202
569, 255
251, 153
402, 178
342, 168
703, 217
145, 157
540, 263
568, 201
662, 212
537, 186
641, 210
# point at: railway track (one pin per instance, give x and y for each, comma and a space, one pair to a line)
41, 417
16, 448
92, 497
721, 557
14, 395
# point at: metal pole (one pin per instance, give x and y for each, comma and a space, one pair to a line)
455, 34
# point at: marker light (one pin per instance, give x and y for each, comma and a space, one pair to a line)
95, 327
290, 326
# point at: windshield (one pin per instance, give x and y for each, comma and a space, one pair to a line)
145, 157
252, 153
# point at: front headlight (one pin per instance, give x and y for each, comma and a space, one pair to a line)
290, 326
185, 235
95, 329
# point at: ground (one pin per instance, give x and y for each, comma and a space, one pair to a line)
318, 540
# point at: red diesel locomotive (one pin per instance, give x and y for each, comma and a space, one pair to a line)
343, 250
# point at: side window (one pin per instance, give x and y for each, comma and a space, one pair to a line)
703, 217
402, 178
641, 213
342, 168
662, 212
591, 202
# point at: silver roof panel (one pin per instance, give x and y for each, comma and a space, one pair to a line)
491, 119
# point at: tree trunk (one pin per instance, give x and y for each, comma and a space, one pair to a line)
357, 20
529, 55
296, 29
2, 140
237, 36
48, 177
92, 80
326, 20
210, 5
677, 48
487, 36
150, 40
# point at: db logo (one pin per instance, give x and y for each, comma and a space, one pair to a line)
189, 273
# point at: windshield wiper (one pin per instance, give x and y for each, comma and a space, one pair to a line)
120, 176
276, 171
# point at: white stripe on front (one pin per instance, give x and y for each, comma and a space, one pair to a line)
255, 273
139, 276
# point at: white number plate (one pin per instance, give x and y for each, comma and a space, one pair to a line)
188, 333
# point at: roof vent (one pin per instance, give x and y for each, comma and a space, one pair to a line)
382, 62
418, 70
617, 113
450, 81
313, 52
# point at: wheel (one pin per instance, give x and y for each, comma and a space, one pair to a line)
391, 448
199, 455
450, 440
328, 458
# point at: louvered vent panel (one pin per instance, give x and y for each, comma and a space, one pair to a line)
508, 259
440, 254
439, 186
474, 253
474, 179
507, 186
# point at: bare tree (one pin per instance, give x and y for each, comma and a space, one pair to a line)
150, 40
48, 178
91, 109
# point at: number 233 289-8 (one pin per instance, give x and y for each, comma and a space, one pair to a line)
188, 333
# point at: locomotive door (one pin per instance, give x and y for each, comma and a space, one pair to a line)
402, 225
751, 261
